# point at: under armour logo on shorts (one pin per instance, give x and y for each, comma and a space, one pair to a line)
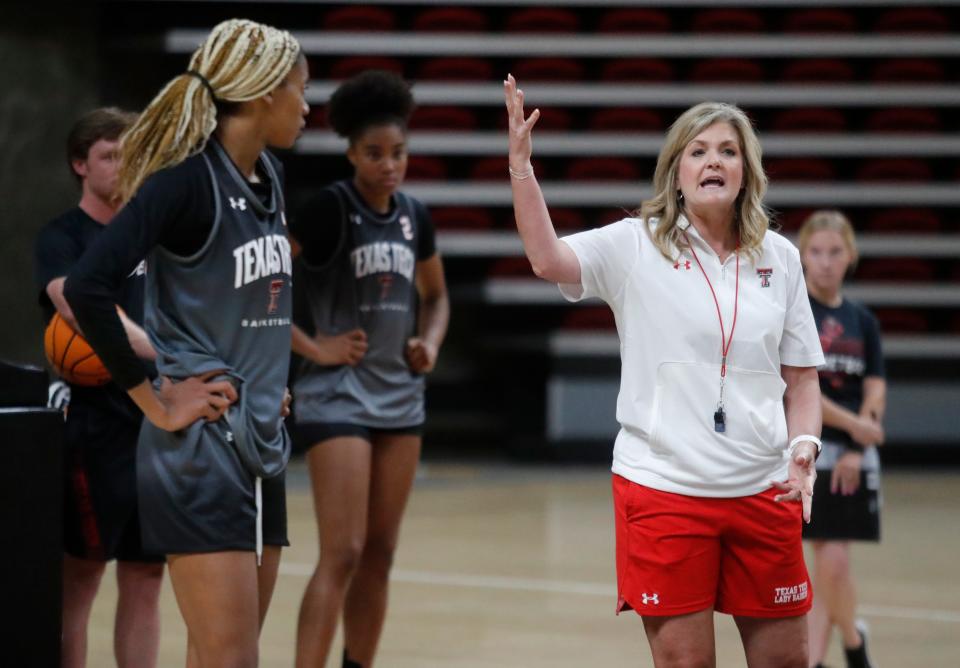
647, 599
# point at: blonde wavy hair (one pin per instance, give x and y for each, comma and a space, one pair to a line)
752, 217
835, 221
240, 60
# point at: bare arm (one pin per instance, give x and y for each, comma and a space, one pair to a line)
422, 350
138, 338
550, 258
802, 405
862, 428
874, 398
347, 348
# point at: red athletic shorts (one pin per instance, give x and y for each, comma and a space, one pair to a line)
679, 554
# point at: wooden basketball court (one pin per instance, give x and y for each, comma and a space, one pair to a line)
513, 566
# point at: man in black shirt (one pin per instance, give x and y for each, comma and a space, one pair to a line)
102, 423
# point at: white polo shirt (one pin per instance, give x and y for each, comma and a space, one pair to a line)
670, 353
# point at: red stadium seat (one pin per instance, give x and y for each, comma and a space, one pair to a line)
626, 119
451, 19
548, 69
727, 69
517, 267
728, 21
589, 317
895, 269
904, 119
909, 70
812, 21
359, 18
791, 220
353, 65
893, 320
542, 20
461, 218
496, 169
567, 219
894, 169
905, 221
800, 169
634, 20
638, 69
443, 118
913, 20
822, 70
455, 69
810, 119
602, 169
426, 168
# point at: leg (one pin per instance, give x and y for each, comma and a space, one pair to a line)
136, 633
267, 579
81, 579
217, 596
839, 594
340, 475
774, 643
393, 469
682, 641
819, 624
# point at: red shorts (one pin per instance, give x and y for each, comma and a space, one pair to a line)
679, 554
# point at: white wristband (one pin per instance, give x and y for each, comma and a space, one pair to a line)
805, 437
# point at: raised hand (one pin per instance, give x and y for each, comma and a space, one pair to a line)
520, 128
347, 348
801, 475
421, 355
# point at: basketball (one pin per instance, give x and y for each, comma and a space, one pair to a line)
71, 356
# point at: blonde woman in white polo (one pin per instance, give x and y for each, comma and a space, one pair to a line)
719, 400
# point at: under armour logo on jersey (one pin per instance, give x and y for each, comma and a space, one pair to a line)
357, 220
139, 270
685, 264
647, 599
238, 203
765, 275
406, 227
228, 435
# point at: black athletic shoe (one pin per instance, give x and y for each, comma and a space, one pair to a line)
858, 657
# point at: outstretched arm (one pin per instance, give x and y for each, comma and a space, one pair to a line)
550, 258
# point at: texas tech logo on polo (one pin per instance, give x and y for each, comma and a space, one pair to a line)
258, 258
383, 257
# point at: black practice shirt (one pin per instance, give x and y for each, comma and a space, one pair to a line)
850, 336
174, 208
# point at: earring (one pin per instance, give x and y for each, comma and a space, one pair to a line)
680, 196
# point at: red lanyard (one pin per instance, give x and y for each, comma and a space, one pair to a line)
724, 342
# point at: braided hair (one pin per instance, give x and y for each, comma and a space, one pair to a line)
240, 60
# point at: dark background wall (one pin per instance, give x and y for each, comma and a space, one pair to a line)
48, 75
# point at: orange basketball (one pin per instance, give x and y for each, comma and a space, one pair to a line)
71, 356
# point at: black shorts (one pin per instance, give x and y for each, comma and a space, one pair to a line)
838, 517
311, 433
101, 517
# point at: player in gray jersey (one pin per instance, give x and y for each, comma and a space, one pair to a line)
372, 311
206, 210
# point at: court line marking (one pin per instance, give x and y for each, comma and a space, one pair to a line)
503, 582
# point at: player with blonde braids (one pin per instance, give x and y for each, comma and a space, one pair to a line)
204, 220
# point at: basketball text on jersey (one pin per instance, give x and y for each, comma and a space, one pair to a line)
264, 256
383, 257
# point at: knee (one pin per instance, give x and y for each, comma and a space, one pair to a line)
834, 563
230, 650
684, 657
341, 561
789, 657
378, 557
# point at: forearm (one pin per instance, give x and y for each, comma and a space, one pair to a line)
802, 403
549, 257
138, 338
434, 319
836, 416
874, 403
147, 400
303, 344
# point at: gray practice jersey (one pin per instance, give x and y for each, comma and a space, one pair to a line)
228, 307
369, 283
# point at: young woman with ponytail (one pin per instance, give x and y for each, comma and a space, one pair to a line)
204, 218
